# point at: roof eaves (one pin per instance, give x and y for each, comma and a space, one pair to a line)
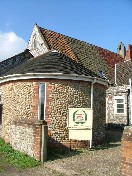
52, 76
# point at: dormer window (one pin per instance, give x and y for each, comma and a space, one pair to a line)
102, 74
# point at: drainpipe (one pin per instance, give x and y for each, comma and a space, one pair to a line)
115, 76
92, 93
130, 101
92, 105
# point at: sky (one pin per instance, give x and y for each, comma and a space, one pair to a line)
103, 23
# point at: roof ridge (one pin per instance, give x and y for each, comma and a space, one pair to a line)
79, 40
54, 51
67, 49
108, 51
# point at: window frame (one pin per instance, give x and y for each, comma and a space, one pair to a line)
40, 101
116, 108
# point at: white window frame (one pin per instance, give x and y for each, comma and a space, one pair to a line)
39, 101
116, 103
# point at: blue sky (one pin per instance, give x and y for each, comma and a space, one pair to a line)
99, 22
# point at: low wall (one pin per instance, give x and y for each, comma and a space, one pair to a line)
126, 147
0, 131
26, 136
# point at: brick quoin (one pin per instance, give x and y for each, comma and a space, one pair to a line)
126, 148
35, 100
37, 141
48, 100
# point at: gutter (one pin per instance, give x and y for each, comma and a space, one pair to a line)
94, 81
115, 82
26, 76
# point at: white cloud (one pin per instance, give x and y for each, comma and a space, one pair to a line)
10, 45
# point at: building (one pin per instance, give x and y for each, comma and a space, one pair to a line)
118, 106
53, 74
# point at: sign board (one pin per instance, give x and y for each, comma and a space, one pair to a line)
80, 123
80, 134
80, 118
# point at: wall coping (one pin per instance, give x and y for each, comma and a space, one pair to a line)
26, 76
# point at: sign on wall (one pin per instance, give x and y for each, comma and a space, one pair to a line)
80, 117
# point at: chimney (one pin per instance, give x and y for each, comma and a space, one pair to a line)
121, 50
129, 53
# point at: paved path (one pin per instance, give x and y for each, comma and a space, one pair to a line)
106, 162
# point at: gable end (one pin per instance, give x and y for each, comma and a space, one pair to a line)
37, 45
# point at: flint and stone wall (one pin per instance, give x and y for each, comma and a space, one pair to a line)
36, 44
20, 102
126, 148
111, 117
25, 136
62, 95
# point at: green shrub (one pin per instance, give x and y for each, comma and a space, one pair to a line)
15, 158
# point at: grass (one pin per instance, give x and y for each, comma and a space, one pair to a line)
3, 163
8, 156
14, 158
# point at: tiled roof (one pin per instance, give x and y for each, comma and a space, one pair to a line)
92, 57
110, 57
51, 62
12, 62
84, 58
124, 72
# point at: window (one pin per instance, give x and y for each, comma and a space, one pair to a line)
102, 74
42, 96
119, 104
120, 47
34, 43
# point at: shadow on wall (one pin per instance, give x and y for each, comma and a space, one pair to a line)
115, 126
114, 132
56, 150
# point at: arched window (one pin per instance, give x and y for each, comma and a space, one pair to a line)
34, 43
119, 47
